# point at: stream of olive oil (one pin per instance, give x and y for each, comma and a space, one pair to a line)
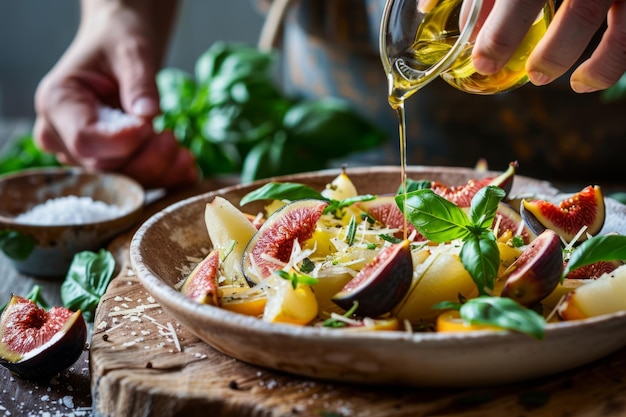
409, 70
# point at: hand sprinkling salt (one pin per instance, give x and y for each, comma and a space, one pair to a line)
69, 210
112, 120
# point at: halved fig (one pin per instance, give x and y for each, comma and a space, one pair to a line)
273, 243
507, 218
584, 209
594, 270
462, 195
38, 344
385, 210
381, 284
537, 272
201, 285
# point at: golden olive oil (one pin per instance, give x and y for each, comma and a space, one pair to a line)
426, 58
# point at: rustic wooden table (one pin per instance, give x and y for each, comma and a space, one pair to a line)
148, 365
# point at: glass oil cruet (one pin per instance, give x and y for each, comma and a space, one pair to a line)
421, 40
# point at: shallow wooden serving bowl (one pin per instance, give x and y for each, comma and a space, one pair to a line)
161, 247
55, 245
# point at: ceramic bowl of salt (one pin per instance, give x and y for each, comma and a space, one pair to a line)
47, 215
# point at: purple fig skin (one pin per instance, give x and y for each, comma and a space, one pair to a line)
59, 355
381, 284
537, 272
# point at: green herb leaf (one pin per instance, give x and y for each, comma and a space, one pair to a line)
414, 185
23, 153
480, 257
329, 126
597, 248
484, 206
86, 281
434, 217
351, 232
331, 322
504, 313
282, 191
296, 278
35, 296
16, 245
336, 206
307, 265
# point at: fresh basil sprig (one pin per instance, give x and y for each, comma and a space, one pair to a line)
234, 118
440, 220
291, 191
282, 191
595, 249
86, 281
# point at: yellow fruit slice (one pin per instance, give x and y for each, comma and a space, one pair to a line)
288, 305
230, 231
560, 292
243, 300
451, 321
604, 295
340, 188
440, 277
508, 255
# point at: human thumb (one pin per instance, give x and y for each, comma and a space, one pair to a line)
136, 75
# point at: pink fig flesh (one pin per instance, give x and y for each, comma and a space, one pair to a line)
38, 344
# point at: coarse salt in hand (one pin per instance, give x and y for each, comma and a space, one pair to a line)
112, 120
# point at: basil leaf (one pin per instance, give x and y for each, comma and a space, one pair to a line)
597, 248
86, 281
504, 313
480, 257
414, 185
484, 206
24, 153
16, 245
282, 191
336, 205
330, 127
434, 217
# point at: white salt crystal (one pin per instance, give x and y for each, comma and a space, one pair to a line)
112, 120
69, 210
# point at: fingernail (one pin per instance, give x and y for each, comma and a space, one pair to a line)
581, 87
539, 78
145, 107
485, 66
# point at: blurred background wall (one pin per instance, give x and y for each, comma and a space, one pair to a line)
34, 34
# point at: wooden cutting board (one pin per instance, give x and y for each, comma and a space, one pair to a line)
144, 363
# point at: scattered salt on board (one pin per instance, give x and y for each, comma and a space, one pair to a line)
69, 210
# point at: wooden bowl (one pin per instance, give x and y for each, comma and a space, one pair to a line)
54, 244
160, 249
